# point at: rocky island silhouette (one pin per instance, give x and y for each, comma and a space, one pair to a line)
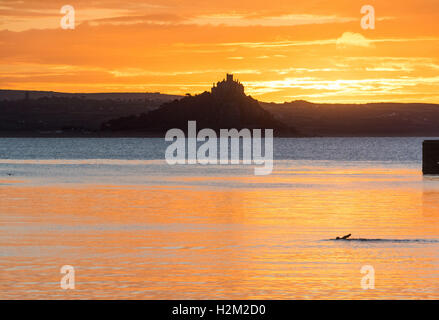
225, 107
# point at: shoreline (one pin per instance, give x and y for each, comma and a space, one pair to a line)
119, 134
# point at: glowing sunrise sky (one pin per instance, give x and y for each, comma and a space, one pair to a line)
281, 50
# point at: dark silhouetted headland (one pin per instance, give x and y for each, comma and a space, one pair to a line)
45, 113
359, 120
225, 107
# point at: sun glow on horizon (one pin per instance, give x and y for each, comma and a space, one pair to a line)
306, 50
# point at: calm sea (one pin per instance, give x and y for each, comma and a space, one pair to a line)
134, 227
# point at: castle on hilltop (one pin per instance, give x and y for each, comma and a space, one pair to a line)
228, 86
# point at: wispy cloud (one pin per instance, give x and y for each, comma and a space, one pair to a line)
240, 20
347, 39
284, 49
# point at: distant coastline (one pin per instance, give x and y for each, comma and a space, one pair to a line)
104, 134
53, 114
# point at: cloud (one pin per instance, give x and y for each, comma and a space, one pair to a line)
240, 20
350, 39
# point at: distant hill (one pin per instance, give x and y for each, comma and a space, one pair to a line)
225, 107
372, 119
35, 113
14, 95
38, 112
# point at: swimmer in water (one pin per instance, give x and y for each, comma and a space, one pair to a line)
344, 237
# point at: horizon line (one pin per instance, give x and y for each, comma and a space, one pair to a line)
193, 94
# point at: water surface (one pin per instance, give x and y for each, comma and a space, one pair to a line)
136, 228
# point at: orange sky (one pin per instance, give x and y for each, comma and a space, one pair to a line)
281, 50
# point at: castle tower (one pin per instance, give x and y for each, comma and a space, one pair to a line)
228, 87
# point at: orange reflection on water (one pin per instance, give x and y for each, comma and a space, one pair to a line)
246, 238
